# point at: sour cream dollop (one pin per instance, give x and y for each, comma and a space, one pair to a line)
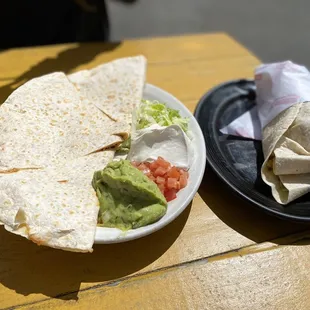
170, 142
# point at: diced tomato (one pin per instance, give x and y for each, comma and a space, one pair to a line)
172, 183
161, 187
170, 194
183, 181
160, 171
184, 172
151, 177
143, 168
147, 164
178, 186
147, 171
174, 173
163, 163
160, 180
154, 165
169, 179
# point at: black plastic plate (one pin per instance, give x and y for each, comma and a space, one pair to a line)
237, 161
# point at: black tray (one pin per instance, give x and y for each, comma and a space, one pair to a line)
237, 161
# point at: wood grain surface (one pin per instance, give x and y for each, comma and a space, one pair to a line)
220, 253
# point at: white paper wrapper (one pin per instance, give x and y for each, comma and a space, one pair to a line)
247, 125
278, 87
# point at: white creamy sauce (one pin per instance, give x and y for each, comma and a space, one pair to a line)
170, 142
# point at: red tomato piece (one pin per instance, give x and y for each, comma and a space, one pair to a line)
161, 187
178, 186
149, 174
135, 164
151, 177
153, 165
163, 163
160, 171
170, 194
184, 172
160, 180
183, 181
143, 168
147, 164
174, 173
172, 183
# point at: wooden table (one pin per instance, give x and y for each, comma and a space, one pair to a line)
221, 253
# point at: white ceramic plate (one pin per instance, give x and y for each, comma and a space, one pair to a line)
184, 196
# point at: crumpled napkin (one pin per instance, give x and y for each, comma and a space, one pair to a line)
278, 87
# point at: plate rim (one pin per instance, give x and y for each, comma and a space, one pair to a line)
197, 181
227, 182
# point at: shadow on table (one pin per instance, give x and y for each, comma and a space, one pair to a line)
65, 61
28, 268
245, 218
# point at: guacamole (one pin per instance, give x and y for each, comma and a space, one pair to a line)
124, 147
128, 199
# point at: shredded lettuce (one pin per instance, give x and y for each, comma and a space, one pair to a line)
154, 112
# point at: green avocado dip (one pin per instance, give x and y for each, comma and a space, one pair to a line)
127, 198
124, 147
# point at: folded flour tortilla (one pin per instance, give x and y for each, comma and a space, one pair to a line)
54, 136
125, 77
45, 122
56, 206
57, 214
286, 147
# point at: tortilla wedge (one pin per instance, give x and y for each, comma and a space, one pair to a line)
60, 215
115, 88
45, 122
